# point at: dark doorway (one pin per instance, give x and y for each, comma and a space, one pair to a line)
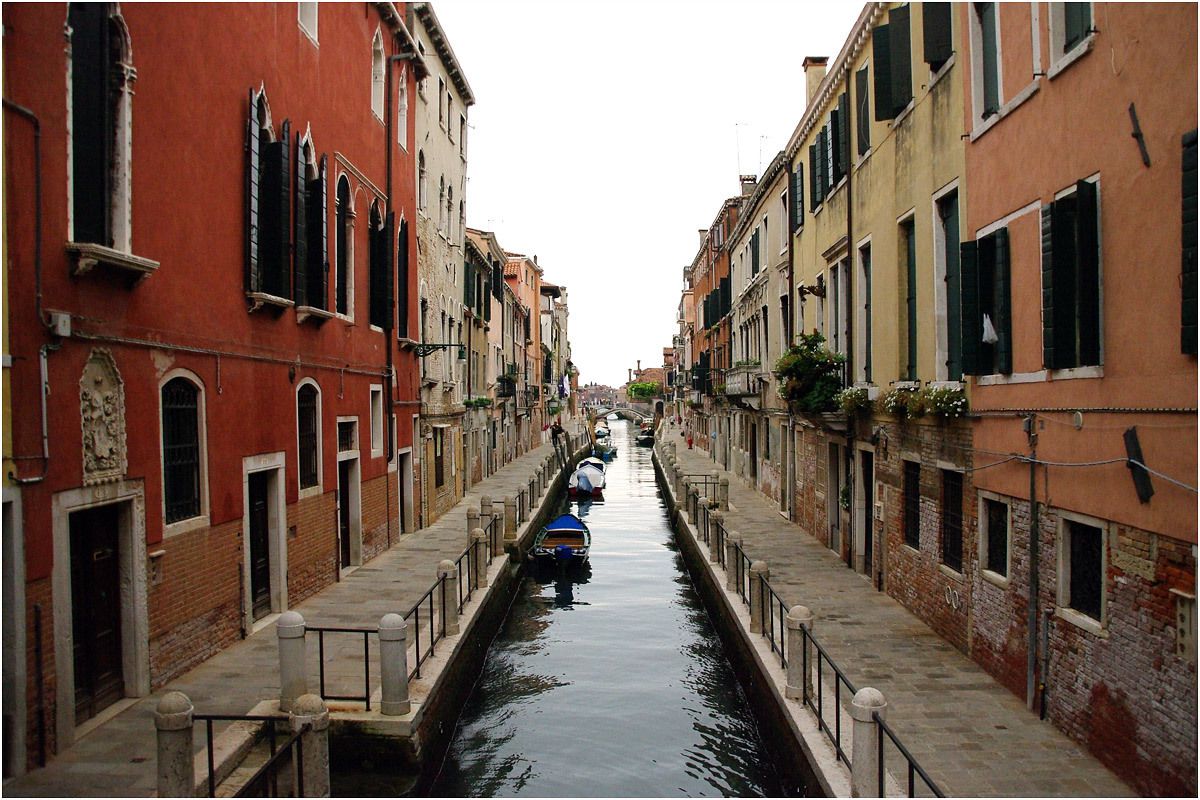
867, 462
96, 609
344, 513
260, 545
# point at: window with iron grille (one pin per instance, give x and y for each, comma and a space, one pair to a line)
912, 504
994, 530
181, 449
952, 519
1085, 564
347, 436
439, 459
309, 434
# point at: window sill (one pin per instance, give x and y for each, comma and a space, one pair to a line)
1067, 59
994, 578
314, 314
185, 526
942, 71
981, 126
1079, 620
89, 255
262, 299
1076, 373
904, 114
998, 379
950, 572
311, 491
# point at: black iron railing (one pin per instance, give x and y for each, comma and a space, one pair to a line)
466, 566
774, 612
290, 756
741, 570
839, 679
426, 608
268, 722
365, 633
914, 769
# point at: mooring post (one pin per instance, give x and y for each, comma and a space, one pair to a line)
799, 679
702, 519
314, 743
485, 511
480, 557
498, 515
713, 489
448, 574
293, 676
723, 494
393, 665
732, 542
864, 770
510, 519
173, 722
714, 541
759, 573
472, 524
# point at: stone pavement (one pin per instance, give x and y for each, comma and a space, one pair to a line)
971, 735
119, 757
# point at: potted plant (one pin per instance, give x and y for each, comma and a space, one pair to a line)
854, 400
810, 378
945, 401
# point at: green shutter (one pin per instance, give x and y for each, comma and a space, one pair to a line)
300, 221
937, 28
813, 184
862, 107
971, 319
829, 158
1002, 302
469, 285
948, 214
843, 139
253, 276
991, 70
901, 53
1049, 356
1077, 19
754, 265
836, 166
798, 196
881, 57
387, 238
911, 248
1087, 249
1188, 328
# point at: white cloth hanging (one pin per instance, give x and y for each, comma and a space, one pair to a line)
989, 331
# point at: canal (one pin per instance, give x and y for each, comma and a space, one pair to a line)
608, 679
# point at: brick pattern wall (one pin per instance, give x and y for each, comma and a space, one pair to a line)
39, 593
377, 512
312, 545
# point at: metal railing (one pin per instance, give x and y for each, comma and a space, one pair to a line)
839, 679
265, 780
433, 634
774, 612
495, 537
914, 768
365, 697
208, 719
741, 568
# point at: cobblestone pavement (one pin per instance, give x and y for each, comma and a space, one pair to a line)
971, 735
119, 757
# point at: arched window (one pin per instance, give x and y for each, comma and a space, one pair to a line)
181, 449
308, 432
380, 268
310, 253
402, 110
450, 212
442, 204
377, 62
344, 243
422, 185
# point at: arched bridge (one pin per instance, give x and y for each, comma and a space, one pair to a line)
639, 412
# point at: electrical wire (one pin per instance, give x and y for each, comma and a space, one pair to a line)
993, 464
1069, 424
1166, 478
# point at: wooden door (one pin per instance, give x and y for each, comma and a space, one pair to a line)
868, 488
96, 609
344, 512
260, 545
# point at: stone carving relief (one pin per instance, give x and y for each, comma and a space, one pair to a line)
102, 417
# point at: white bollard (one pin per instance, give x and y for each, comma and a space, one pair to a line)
485, 511
472, 524
479, 558
714, 522
449, 573
799, 679
393, 665
293, 675
732, 542
759, 572
498, 514
310, 710
864, 772
510, 519
723, 494
173, 723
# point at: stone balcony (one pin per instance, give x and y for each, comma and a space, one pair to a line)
745, 381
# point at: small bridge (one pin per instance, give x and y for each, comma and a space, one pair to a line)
639, 412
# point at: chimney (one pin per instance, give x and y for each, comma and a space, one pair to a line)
749, 183
703, 233
814, 73
639, 367
629, 372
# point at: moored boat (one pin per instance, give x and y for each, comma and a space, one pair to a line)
587, 480
565, 538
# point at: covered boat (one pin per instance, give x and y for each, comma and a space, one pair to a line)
565, 538
601, 431
587, 480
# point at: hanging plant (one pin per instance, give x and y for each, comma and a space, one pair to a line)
810, 375
946, 402
854, 400
844, 498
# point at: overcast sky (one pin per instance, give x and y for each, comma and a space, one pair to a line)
604, 135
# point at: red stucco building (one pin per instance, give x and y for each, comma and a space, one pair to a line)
208, 284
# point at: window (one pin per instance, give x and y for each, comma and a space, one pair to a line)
102, 78
891, 52
797, 195
181, 449
402, 110
986, 318
347, 435
449, 116
952, 544
912, 504
439, 459
306, 14
1188, 271
422, 182
950, 319
1081, 565
442, 205
402, 280
994, 535
421, 82
269, 201
380, 268
864, 304
754, 264
462, 135
862, 109
1070, 26
344, 243
1071, 335
308, 426
376, 421
450, 212
938, 32
442, 103
309, 256
908, 255
985, 41
377, 71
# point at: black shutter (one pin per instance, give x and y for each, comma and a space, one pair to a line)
387, 239
971, 318
301, 222
936, 25
901, 53
798, 196
469, 284
274, 203
1048, 329
402, 280
283, 196
91, 123
881, 56
253, 275
1087, 249
1066, 353
726, 295
1002, 303
836, 124
862, 107
318, 238
823, 162
813, 183
498, 281
829, 156
843, 139
1188, 329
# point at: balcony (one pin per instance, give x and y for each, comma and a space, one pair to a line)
506, 386
745, 380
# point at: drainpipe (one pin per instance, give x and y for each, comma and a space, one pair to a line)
850, 253
1031, 623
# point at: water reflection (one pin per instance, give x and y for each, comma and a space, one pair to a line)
629, 694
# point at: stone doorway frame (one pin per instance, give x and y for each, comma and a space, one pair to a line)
276, 536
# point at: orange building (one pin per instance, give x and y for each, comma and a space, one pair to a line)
1081, 160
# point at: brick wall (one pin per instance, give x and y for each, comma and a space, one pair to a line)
379, 507
312, 545
39, 593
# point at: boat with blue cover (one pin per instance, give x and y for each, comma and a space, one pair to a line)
564, 539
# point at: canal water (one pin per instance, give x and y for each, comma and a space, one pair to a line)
608, 679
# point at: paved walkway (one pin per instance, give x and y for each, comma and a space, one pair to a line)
971, 735
119, 757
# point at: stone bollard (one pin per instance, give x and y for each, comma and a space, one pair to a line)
449, 574
680, 483
479, 558
702, 519
714, 522
310, 710
723, 494
173, 721
293, 676
759, 572
485, 511
393, 665
510, 519
713, 488
498, 514
799, 663
472, 524
864, 772
732, 542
